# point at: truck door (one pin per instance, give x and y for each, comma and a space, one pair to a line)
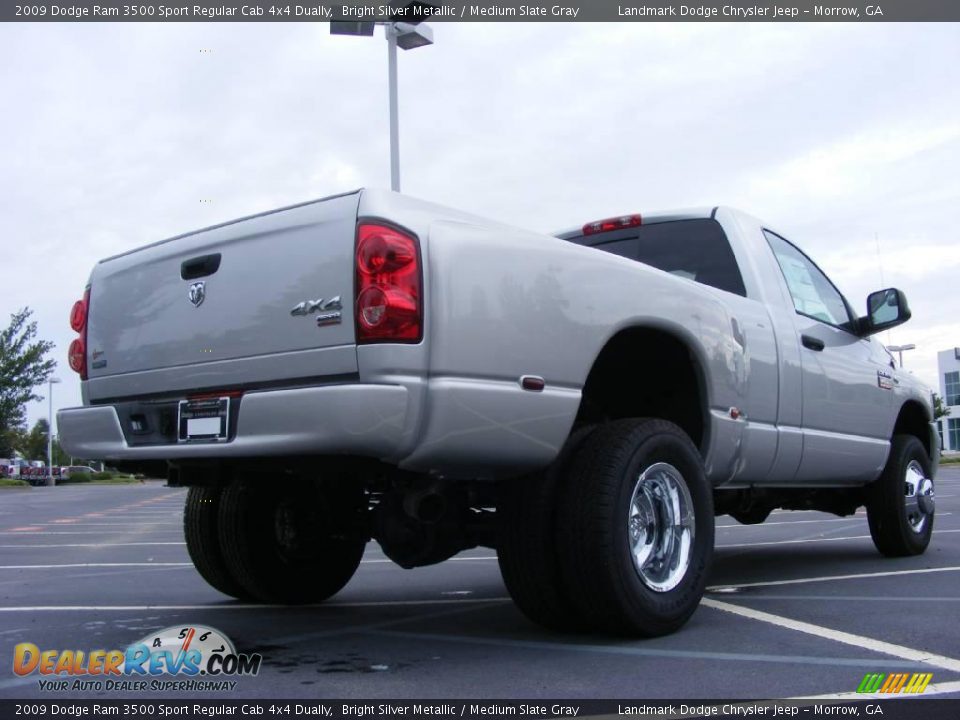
846, 401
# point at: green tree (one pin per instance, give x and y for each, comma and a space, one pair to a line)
35, 441
23, 367
34, 445
60, 456
939, 409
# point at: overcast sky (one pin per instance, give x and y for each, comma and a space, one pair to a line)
844, 137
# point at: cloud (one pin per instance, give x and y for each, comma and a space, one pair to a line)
836, 134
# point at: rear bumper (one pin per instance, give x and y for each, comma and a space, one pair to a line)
365, 420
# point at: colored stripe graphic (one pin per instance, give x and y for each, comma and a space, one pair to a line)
894, 683
871, 682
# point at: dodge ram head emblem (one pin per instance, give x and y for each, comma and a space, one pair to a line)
198, 292
329, 310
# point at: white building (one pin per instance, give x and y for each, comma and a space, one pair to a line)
948, 368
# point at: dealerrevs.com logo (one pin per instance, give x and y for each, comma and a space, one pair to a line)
199, 657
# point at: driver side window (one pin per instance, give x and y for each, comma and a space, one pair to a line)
813, 293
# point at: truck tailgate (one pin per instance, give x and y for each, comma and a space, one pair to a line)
214, 307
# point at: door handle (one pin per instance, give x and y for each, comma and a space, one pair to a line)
812, 343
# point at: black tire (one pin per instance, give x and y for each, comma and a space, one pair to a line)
309, 567
527, 549
893, 533
203, 542
598, 565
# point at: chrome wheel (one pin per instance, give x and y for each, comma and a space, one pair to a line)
660, 527
919, 497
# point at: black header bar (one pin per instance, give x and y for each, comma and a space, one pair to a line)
480, 11
900, 708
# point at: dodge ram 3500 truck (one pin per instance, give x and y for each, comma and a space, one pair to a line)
369, 366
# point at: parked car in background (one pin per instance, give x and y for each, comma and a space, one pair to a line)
71, 470
10, 467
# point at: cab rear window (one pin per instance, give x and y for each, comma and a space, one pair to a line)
693, 249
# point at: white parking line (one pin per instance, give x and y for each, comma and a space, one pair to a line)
849, 518
453, 559
860, 641
161, 564
69, 532
852, 598
126, 523
827, 578
92, 545
252, 606
804, 541
95, 565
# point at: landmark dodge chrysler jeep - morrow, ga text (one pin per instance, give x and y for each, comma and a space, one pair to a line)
369, 366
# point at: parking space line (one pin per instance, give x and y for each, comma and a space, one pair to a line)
634, 650
826, 578
92, 545
849, 518
123, 524
72, 532
860, 641
152, 564
453, 559
804, 541
93, 565
851, 598
250, 606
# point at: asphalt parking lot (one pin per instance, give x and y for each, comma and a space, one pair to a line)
801, 606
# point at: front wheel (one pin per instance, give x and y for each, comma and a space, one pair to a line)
636, 528
901, 505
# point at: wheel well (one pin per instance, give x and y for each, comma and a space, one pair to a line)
646, 372
913, 420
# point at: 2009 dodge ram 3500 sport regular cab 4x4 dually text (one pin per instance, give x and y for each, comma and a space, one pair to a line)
369, 366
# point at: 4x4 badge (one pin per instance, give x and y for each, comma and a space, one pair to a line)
198, 292
329, 310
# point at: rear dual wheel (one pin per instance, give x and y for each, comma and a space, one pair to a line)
616, 536
201, 531
277, 544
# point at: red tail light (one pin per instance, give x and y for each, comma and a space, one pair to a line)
617, 223
78, 315
77, 354
389, 291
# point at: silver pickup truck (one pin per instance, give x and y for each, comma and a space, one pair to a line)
369, 366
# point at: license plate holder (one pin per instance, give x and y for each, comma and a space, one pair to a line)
206, 420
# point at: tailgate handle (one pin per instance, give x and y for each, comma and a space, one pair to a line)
200, 266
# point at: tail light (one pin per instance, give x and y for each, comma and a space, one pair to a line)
389, 289
77, 353
616, 223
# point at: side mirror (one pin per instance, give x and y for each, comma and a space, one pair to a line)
885, 309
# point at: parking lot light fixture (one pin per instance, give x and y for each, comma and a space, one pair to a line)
406, 36
900, 349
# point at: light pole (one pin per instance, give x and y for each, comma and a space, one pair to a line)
899, 349
406, 36
50, 383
